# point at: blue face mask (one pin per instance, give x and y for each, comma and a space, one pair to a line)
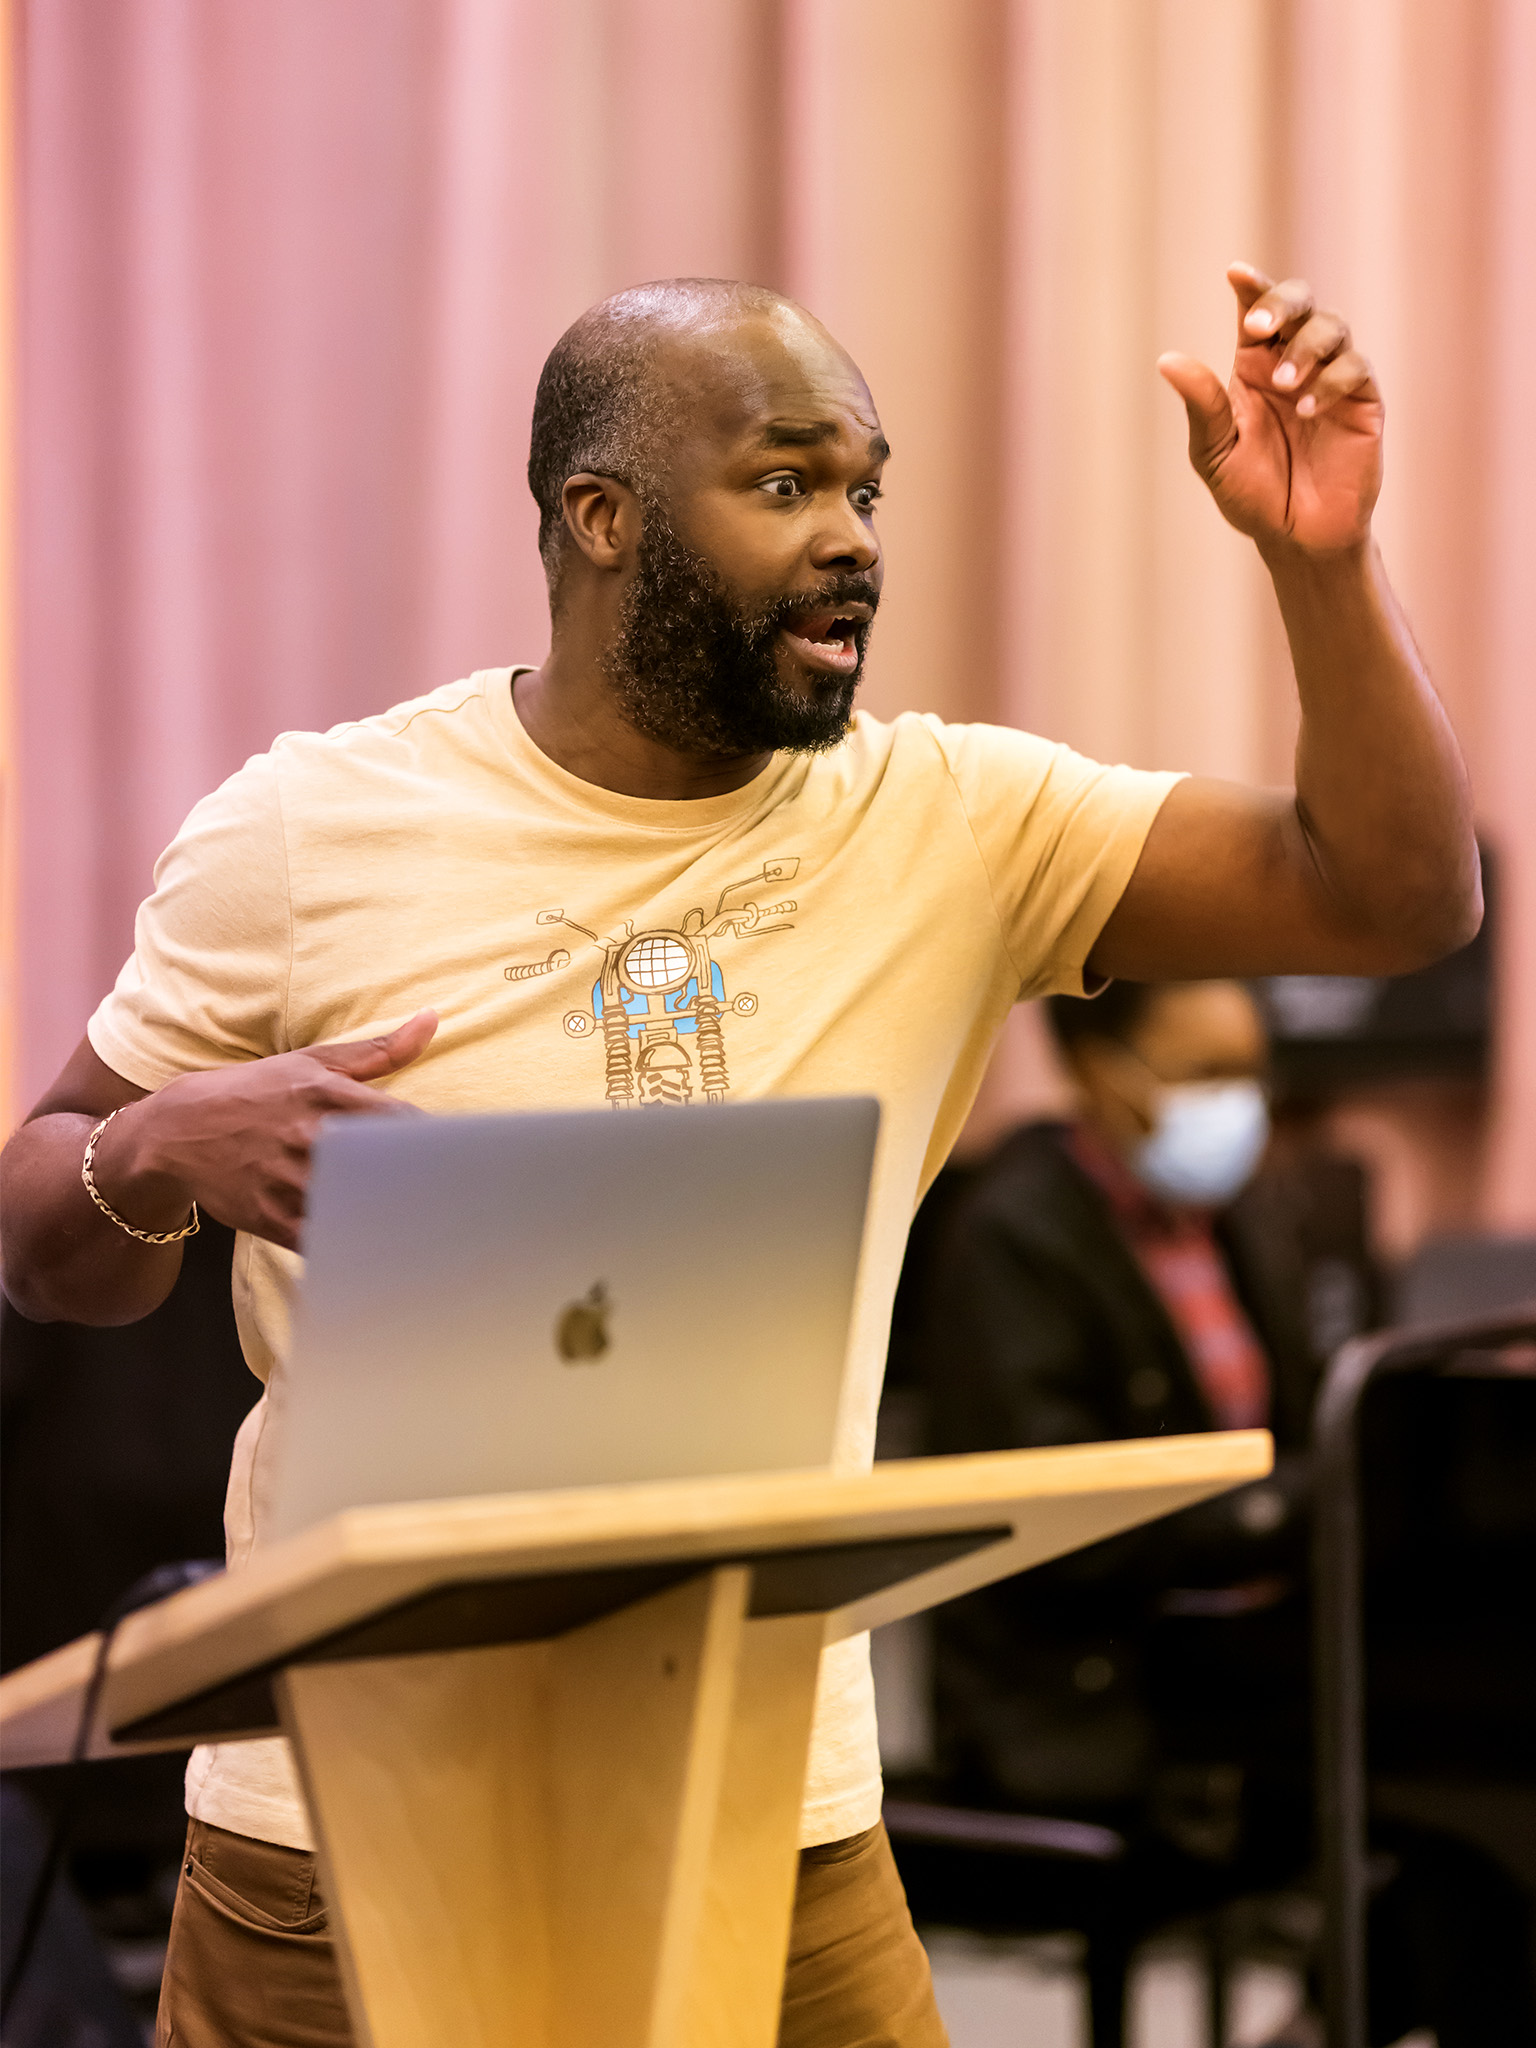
1208, 1138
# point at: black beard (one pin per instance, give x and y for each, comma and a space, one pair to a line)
695, 671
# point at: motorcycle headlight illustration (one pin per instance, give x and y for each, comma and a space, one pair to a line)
654, 962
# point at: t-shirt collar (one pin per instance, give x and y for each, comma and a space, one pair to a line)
654, 814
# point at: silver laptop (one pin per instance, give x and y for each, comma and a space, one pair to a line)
498, 1303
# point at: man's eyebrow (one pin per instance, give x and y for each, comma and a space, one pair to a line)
797, 434
812, 434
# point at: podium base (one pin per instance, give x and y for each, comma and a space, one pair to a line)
552, 1844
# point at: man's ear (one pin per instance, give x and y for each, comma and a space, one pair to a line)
602, 516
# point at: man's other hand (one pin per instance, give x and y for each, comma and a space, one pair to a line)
1370, 866
237, 1140
1291, 448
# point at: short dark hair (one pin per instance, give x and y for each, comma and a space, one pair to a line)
1118, 1013
598, 407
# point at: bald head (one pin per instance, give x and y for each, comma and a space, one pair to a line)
707, 462
605, 402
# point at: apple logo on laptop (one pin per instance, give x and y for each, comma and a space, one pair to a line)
581, 1334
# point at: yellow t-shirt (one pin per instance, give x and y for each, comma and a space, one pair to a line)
870, 915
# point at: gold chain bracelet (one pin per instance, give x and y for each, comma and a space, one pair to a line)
144, 1236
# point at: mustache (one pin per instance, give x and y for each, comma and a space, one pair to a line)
829, 595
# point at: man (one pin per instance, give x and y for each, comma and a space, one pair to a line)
707, 463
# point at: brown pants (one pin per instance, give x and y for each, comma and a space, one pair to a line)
250, 1963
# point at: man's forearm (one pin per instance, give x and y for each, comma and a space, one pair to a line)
1381, 792
237, 1137
63, 1260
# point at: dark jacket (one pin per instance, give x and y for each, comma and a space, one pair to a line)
1034, 1324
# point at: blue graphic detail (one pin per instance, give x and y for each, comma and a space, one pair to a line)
677, 1006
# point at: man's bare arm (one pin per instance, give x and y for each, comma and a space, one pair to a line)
51, 1229
236, 1140
1371, 866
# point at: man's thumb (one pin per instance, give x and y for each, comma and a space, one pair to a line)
1206, 403
370, 1059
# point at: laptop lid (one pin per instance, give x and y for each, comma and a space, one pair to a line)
502, 1303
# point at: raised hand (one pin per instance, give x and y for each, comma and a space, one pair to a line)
1291, 448
237, 1140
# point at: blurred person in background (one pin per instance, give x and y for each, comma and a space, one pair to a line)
1138, 1270
1126, 1274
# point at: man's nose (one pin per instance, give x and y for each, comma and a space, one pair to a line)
844, 541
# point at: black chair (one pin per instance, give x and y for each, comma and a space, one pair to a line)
1015, 1873
1491, 1348
1454, 1694
1023, 1873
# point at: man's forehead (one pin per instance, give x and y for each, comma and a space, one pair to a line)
769, 380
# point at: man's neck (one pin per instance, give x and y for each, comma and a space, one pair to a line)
567, 709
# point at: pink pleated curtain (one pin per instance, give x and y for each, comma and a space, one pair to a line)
289, 268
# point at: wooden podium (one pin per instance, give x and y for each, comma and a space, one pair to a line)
554, 1744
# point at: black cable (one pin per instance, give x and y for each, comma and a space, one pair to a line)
159, 1584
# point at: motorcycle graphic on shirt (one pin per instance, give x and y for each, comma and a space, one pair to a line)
659, 1000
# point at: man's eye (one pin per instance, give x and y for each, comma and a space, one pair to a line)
866, 496
783, 487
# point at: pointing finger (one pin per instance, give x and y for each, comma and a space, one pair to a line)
1250, 284
370, 1059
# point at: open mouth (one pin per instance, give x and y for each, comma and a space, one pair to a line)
827, 640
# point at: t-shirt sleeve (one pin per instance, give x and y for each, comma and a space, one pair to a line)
207, 982
1059, 836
